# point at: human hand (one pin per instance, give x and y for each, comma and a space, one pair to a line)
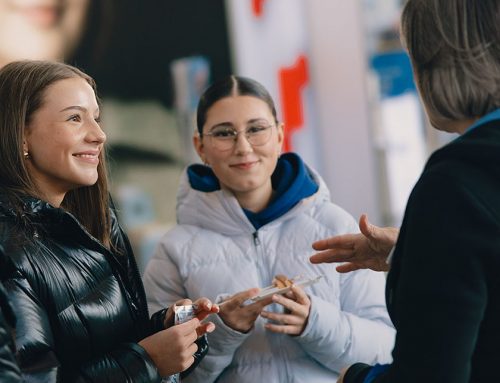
170, 314
204, 307
172, 349
297, 307
242, 317
367, 250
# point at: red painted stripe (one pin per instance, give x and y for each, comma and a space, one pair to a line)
291, 81
258, 7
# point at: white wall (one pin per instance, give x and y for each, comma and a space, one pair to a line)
336, 136
339, 70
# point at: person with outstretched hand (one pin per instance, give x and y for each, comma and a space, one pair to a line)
443, 289
369, 249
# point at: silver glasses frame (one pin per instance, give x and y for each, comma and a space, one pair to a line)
235, 137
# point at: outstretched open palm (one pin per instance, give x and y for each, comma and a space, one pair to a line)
366, 250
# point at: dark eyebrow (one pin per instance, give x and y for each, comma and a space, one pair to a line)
225, 124
230, 125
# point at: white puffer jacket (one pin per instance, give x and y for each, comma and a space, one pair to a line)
214, 250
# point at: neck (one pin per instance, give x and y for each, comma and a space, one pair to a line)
54, 200
461, 126
255, 200
452, 126
50, 194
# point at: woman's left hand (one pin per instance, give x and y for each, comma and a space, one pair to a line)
170, 315
297, 307
204, 308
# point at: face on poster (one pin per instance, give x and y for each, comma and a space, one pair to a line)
40, 29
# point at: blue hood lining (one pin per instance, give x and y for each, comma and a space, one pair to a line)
291, 181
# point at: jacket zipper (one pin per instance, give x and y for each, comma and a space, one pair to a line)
256, 240
261, 256
259, 251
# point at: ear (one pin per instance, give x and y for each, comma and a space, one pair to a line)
199, 147
25, 145
281, 135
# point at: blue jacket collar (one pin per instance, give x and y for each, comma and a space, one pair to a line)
495, 115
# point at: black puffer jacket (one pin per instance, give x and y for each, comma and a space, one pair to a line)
9, 371
81, 309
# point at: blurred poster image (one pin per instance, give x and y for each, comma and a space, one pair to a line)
129, 47
191, 77
40, 29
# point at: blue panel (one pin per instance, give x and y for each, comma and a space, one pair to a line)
394, 72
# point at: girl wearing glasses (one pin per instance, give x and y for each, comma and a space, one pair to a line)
245, 216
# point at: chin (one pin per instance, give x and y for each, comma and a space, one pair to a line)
89, 181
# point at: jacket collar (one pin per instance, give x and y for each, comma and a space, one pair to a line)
31, 208
219, 210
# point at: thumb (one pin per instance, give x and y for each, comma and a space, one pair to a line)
366, 228
300, 295
237, 300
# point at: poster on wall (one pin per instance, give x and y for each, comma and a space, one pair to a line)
269, 43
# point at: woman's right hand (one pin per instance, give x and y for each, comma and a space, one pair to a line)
172, 349
367, 250
205, 308
242, 317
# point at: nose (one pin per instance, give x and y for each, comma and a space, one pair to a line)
241, 145
95, 133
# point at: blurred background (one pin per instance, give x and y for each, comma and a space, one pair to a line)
336, 69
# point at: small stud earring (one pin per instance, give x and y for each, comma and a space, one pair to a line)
26, 155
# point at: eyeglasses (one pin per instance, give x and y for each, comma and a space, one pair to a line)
224, 138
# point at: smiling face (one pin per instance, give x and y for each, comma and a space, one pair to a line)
64, 139
244, 169
40, 29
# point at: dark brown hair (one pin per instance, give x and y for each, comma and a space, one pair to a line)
231, 86
22, 90
454, 46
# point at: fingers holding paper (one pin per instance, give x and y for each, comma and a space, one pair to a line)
241, 316
293, 319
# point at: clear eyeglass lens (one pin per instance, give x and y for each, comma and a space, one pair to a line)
225, 138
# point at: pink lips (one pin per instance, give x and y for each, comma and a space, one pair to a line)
244, 165
90, 156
